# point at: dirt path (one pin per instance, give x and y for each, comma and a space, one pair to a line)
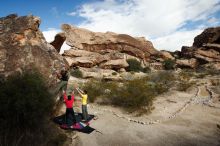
178, 119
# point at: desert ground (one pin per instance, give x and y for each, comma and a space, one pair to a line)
179, 118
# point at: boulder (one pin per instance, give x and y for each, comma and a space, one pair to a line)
115, 64
212, 46
213, 66
190, 63
58, 41
79, 53
103, 42
205, 49
80, 61
187, 52
84, 58
166, 55
96, 73
207, 55
216, 66
209, 35
23, 47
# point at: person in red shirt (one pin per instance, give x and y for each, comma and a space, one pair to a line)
69, 101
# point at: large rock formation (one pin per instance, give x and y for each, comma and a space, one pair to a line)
189, 63
58, 41
209, 35
165, 55
105, 50
23, 46
205, 49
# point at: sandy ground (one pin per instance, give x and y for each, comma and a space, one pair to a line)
179, 118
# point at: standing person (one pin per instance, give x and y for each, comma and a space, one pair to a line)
84, 97
69, 107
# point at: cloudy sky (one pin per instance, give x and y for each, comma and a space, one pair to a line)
169, 24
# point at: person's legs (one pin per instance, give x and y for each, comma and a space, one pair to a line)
70, 112
84, 112
62, 85
73, 115
66, 116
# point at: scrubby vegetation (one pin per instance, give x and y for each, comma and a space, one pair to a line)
201, 72
76, 73
216, 85
114, 73
169, 64
132, 95
26, 106
134, 65
146, 70
183, 80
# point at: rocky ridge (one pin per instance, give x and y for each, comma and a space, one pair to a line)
204, 51
23, 47
105, 50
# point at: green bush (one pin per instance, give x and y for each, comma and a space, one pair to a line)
26, 106
76, 73
204, 71
94, 89
114, 73
134, 65
163, 77
185, 75
146, 70
97, 89
133, 95
169, 64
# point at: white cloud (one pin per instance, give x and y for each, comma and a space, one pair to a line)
49, 36
157, 19
72, 14
176, 40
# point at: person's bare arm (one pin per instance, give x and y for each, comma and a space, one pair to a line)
72, 93
79, 91
64, 95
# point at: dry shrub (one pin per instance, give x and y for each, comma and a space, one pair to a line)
184, 82
133, 95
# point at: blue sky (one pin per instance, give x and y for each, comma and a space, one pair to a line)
168, 24
53, 13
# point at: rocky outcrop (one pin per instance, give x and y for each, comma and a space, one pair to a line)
104, 42
187, 52
23, 46
115, 64
58, 41
205, 49
209, 55
209, 35
166, 55
97, 73
189, 63
105, 50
